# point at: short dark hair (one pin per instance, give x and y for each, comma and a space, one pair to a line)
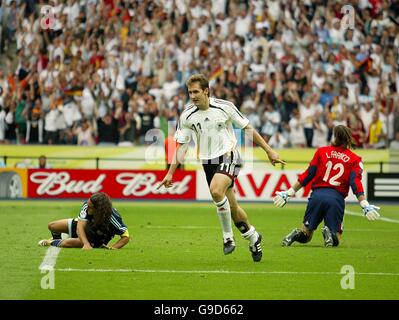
343, 137
201, 79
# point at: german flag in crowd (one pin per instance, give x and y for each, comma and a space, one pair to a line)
216, 72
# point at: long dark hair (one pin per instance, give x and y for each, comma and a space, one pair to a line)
343, 137
103, 209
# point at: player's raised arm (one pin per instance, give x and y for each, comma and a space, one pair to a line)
271, 154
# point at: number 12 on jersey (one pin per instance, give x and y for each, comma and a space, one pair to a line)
333, 180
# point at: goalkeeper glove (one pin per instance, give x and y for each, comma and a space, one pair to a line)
282, 197
369, 210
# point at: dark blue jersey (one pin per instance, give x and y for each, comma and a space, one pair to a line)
116, 225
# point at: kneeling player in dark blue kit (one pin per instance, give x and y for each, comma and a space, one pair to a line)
332, 170
98, 222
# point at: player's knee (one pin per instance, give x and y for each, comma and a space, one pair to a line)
216, 193
51, 225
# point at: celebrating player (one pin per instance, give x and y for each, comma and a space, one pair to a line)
98, 222
332, 170
210, 120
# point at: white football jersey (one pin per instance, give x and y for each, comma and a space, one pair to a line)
213, 128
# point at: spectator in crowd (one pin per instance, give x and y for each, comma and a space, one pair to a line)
43, 162
366, 112
297, 133
107, 130
320, 132
34, 123
355, 123
307, 112
85, 134
147, 123
50, 127
272, 119
11, 23
377, 133
278, 141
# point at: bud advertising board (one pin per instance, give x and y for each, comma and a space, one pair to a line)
137, 184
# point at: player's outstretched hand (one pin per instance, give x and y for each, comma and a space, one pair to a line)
87, 247
167, 182
104, 246
274, 158
371, 211
281, 199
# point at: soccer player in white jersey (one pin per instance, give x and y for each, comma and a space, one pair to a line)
211, 121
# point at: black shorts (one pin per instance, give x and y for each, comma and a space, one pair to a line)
229, 164
72, 225
96, 239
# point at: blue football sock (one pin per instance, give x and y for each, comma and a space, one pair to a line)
56, 242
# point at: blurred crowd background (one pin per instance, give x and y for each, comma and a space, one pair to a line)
106, 72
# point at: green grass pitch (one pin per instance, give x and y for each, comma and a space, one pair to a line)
176, 253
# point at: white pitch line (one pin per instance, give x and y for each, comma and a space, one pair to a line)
205, 227
352, 213
180, 227
370, 230
50, 259
223, 272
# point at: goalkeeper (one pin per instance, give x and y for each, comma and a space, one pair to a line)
332, 170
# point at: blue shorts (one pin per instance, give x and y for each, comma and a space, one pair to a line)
325, 204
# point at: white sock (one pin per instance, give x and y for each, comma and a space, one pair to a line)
224, 214
251, 235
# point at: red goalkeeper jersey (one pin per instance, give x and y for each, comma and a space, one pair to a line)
334, 167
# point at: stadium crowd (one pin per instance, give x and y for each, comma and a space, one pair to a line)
90, 72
